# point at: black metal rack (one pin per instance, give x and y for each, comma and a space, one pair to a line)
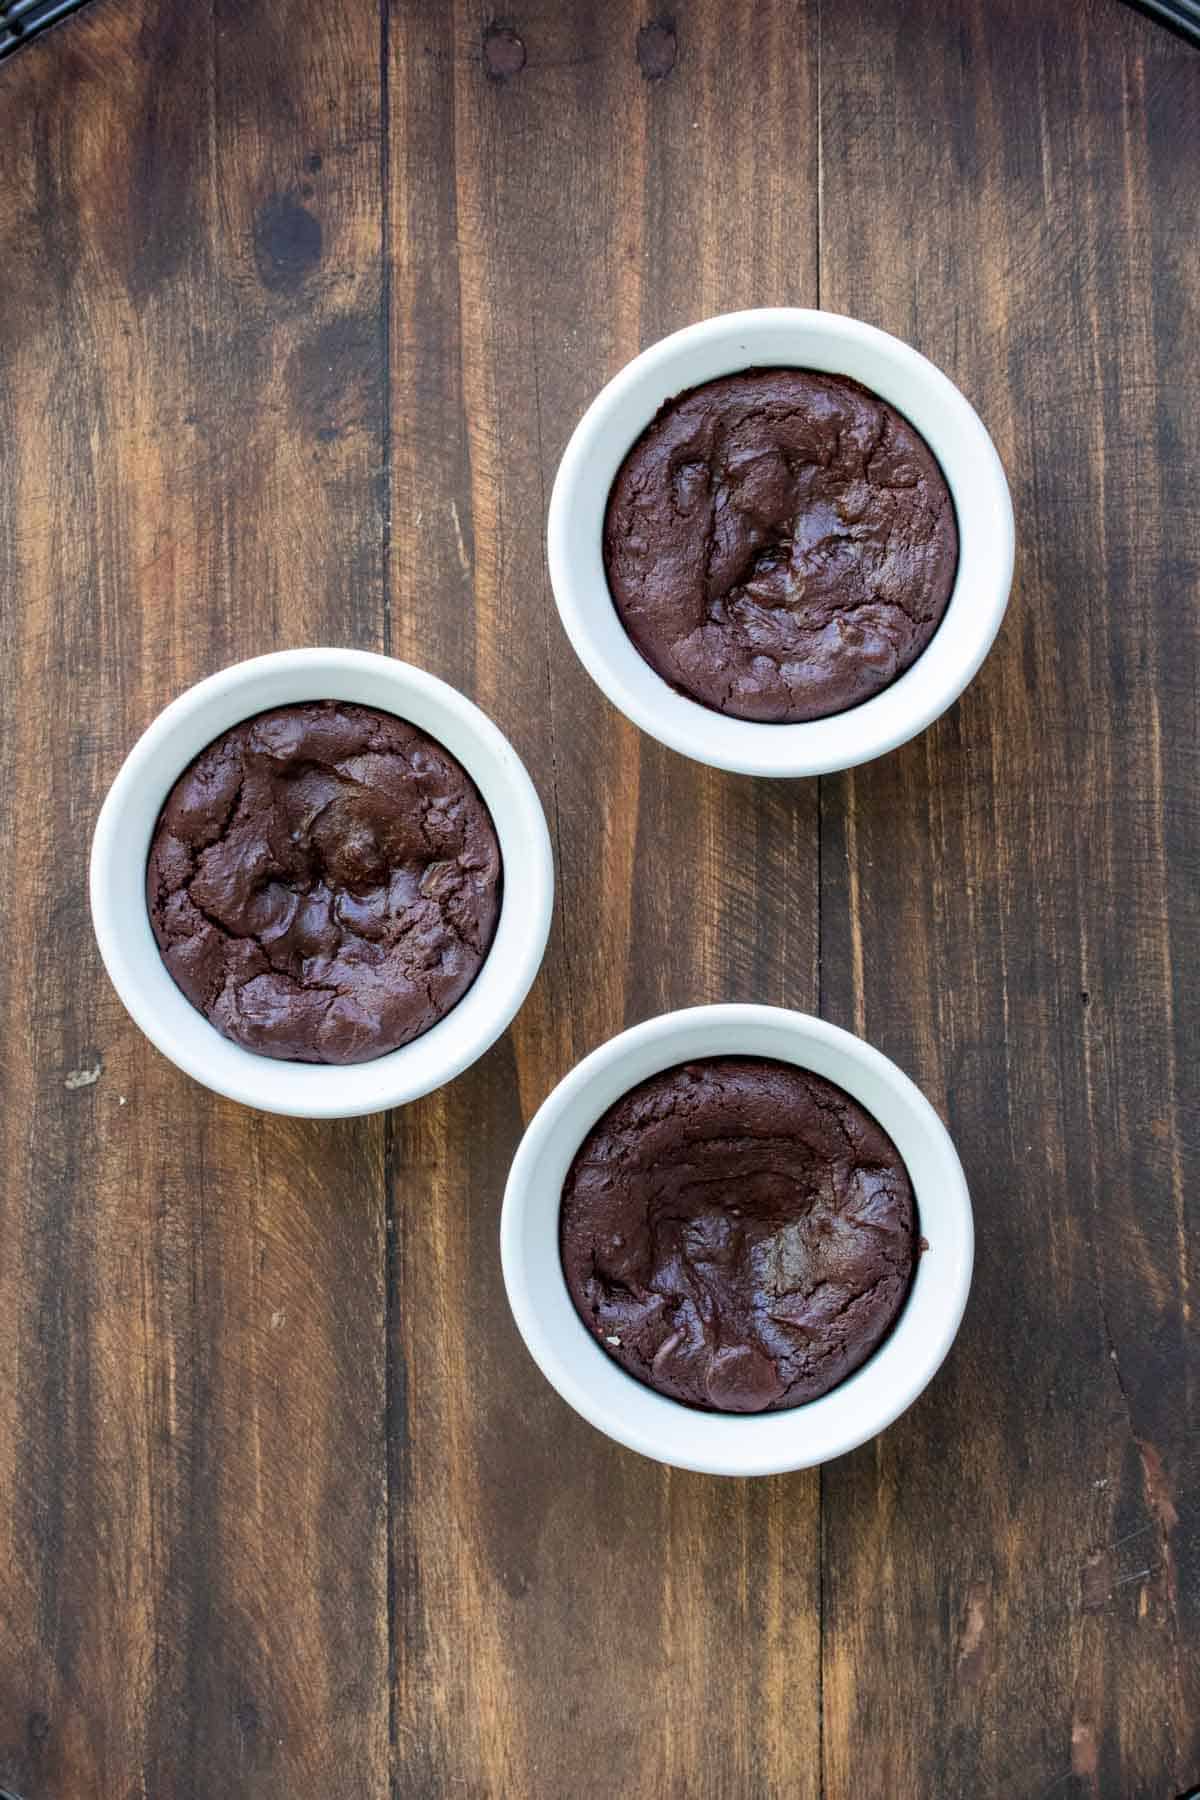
1182, 16
21, 20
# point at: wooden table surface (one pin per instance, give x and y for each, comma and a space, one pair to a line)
299, 303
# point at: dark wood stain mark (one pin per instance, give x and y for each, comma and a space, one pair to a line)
161, 186
657, 49
503, 52
287, 242
247, 1719
333, 377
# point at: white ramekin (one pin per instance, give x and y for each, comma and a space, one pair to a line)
118, 878
782, 337
723, 1443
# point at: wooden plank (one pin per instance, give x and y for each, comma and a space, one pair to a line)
199, 462
191, 1295
565, 187
1012, 1583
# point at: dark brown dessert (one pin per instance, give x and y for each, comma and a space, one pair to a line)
780, 544
738, 1234
324, 882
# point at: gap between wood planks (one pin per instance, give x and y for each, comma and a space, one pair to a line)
391, 1397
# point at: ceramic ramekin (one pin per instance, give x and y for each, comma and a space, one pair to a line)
118, 875
723, 1443
779, 337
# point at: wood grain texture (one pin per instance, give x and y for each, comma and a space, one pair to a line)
1012, 1590
299, 304
193, 1531
570, 1615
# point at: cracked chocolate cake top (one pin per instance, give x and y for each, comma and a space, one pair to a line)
780, 544
324, 882
738, 1234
